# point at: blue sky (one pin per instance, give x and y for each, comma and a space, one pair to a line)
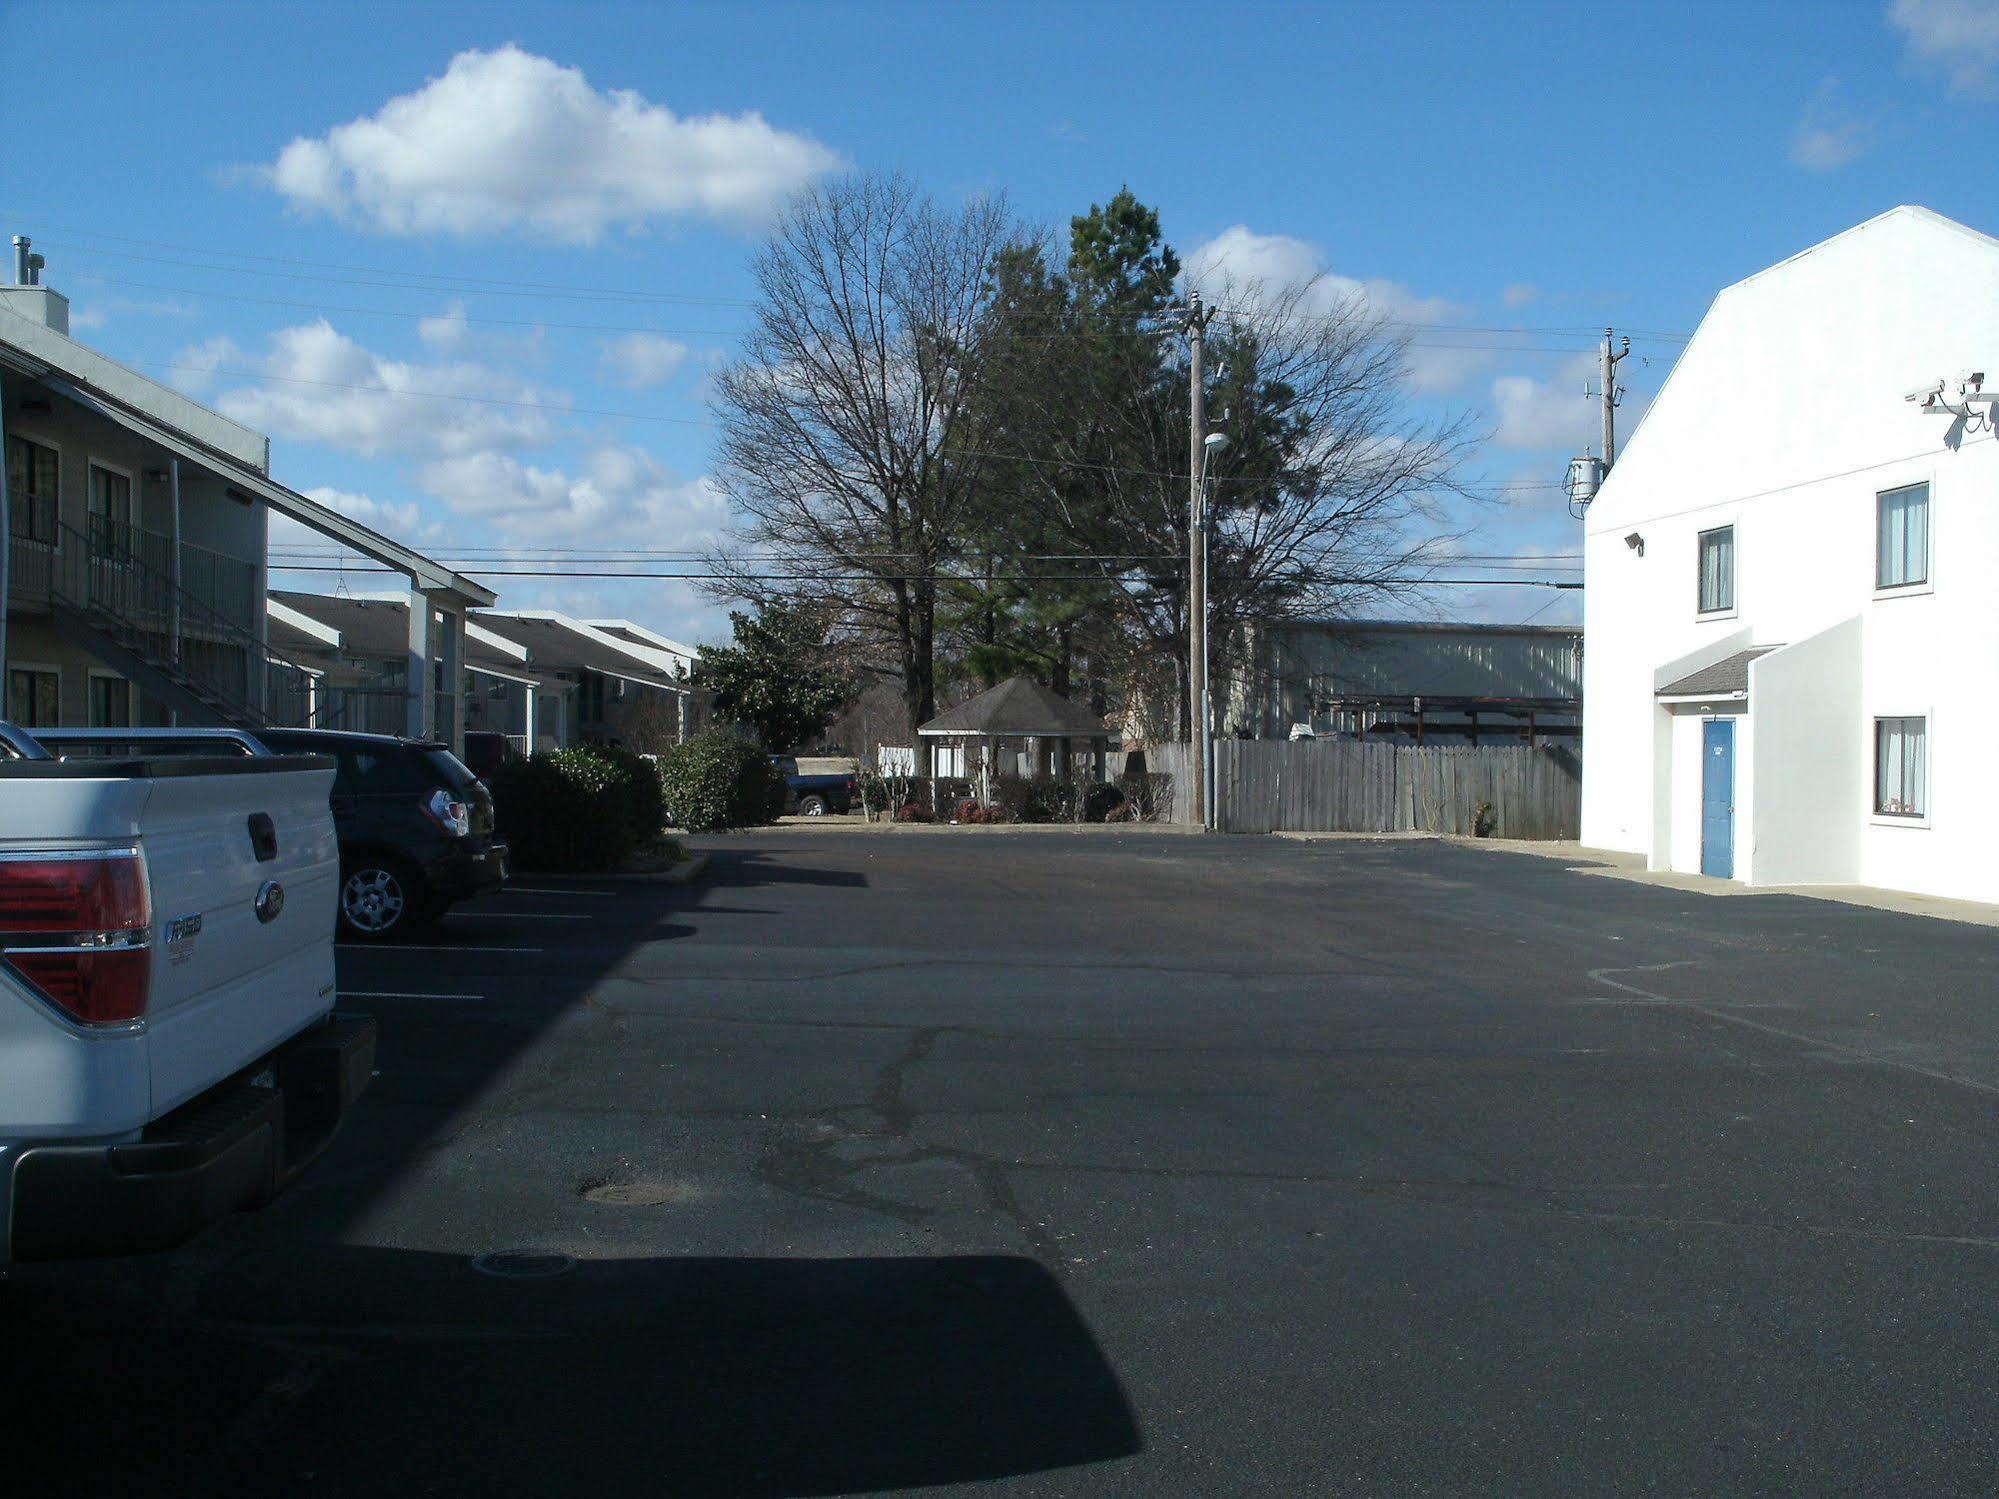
601, 171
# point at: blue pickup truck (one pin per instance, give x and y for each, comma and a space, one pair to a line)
814, 796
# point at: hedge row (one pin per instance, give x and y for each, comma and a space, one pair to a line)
1023, 799
591, 806
719, 781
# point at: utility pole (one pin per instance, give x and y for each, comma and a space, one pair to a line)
1197, 529
1606, 381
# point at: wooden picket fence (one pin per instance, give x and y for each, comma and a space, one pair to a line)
1351, 786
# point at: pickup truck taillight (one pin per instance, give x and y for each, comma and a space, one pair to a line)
78, 927
448, 813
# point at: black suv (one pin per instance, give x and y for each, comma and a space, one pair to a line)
415, 828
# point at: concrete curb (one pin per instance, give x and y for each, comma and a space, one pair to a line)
813, 825
686, 872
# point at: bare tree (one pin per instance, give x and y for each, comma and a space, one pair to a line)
1328, 498
852, 438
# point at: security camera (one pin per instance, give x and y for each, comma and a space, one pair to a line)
1970, 379
1924, 394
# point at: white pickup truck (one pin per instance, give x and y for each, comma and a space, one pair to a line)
168, 1048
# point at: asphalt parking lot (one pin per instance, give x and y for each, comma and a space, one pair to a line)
1123, 1163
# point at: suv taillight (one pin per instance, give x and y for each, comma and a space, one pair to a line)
78, 927
448, 813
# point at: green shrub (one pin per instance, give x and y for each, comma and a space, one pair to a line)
560, 812
1024, 800
1101, 800
630, 779
719, 780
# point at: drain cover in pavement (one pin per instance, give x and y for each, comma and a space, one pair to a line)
523, 1264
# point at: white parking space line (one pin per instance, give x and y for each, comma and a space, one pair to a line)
399, 994
411, 947
536, 890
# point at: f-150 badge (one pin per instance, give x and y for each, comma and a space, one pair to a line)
181, 933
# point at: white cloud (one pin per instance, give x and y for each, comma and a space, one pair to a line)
621, 494
193, 369
454, 331
321, 386
507, 140
446, 331
1960, 36
1520, 294
1827, 137
1549, 413
1244, 260
640, 360
403, 522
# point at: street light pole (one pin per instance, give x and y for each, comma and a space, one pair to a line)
1197, 593
1212, 444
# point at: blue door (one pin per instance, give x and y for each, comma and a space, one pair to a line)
1718, 797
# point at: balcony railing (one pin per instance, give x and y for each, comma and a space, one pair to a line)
223, 586
176, 632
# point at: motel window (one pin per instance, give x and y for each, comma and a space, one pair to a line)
1717, 570
111, 496
34, 698
1901, 767
33, 477
1902, 537
110, 702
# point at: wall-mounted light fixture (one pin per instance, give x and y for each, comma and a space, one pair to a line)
1636, 543
1970, 395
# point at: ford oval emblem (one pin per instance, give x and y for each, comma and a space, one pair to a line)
270, 900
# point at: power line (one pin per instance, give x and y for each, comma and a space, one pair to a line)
815, 577
435, 282
690, 421
1420, 333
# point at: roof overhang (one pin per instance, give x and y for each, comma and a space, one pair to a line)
504, 676
431, 576
644, 636
591, 649
1720, 701
301, 622
498, 644
1103, 733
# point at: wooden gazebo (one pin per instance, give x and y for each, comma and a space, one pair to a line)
1047, 725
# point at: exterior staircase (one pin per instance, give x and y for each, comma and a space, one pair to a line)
179, 649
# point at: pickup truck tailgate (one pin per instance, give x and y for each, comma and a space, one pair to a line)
244, 871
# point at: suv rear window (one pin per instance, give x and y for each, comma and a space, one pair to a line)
381, 773
449, 768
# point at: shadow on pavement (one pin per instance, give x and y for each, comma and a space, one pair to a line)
612, 1378
741, 866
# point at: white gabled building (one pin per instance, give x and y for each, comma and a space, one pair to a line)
1791, 672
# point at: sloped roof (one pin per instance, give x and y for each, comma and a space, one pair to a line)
556, 642
1728, 677
1018, 708
373, 625
213, 442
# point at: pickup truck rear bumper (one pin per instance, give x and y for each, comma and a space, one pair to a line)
235, 1147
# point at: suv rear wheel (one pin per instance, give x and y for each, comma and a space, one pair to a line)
812, 805
381, 898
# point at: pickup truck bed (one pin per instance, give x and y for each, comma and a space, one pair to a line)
168, 1051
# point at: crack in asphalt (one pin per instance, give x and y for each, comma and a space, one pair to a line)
806, 1162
